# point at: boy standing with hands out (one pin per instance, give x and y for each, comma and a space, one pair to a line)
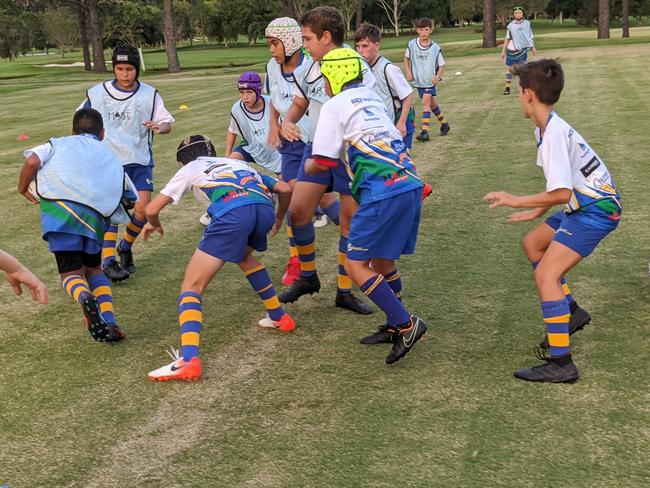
424, 67
577, 177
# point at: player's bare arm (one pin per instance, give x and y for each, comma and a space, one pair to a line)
290, 131
544, 200
27, 174
274, 129
158, 127
152, 210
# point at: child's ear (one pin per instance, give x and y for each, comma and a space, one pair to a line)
101, 135
326, 38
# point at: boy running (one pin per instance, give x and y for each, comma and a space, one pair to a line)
133, 112
393, 88
242, 215
577, 177
323, 30
519, 39
80, 183
354, 124
424, 66
287, 64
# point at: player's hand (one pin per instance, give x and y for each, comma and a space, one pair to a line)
503, 55
500, 199
153, 126
276, 226
534, 51
409, 76
290, 131
435, 80
525, 216
30, 197
401, 127
274, 137
149, 229
36, 287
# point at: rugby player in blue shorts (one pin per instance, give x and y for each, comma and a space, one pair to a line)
384, 184
578, 178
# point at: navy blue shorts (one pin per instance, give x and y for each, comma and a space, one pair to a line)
431, 91
64, 242
291, 153
141, 176
229, 236
385, 229
516, 57
578, 232
247, 157
336, 179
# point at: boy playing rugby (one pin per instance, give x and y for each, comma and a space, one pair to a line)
577, 177
242, 215
354, 125
323, 29
80, 183
289, 63
519, 39
393, 88
424, 67
133, 112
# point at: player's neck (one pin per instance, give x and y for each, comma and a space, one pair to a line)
257, 106
424, 41
371, 62
541, 115
291, 65
126, 88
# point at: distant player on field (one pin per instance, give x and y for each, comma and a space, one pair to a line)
354, 124
392, 86
242, 215
519, 39
133, 112
578, 178
80, 183
424, 66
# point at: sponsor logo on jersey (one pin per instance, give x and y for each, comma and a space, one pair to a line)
590, 167
117, 115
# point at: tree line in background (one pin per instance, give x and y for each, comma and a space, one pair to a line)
93, 25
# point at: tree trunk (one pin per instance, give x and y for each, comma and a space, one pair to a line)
99, 63
489, 24
626, 18
83, 35
603, 19
173, 65
359, 18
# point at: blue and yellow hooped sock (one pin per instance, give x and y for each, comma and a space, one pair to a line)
381, 295
260, 280
332, 212
508, 79
394, 280
343, 281
426, 120
131, 233
101, 289
190, 318
305, 238
108, 248
556, 316
439, 115
293, 251
76, 287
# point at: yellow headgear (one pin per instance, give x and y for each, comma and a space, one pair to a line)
341, 66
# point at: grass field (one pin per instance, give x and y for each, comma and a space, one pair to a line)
315, 408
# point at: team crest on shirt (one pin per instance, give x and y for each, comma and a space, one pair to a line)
117, 115
396, 177
235, 194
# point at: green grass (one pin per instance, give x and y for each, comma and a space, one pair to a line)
315, 408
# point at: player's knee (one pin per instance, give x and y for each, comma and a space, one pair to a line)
300, 214
545, 277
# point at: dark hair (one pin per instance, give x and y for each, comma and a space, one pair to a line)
194, 147
544, 77
325, 18
424, 22
87, 121
367, 31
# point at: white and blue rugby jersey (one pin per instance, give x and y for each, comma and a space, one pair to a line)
569, 162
